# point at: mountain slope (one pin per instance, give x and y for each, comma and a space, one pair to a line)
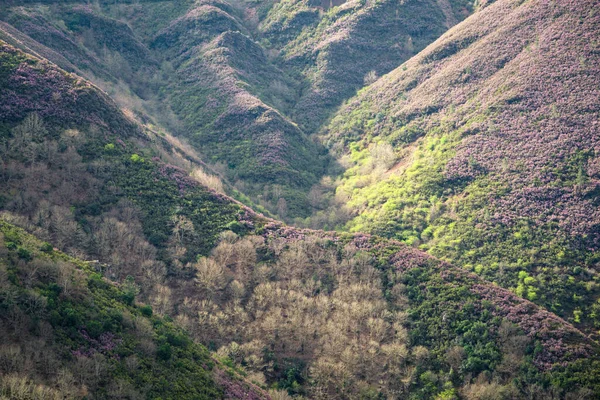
198, 73
246, 84
223, 78
344, 48
68, 333
486, 147
321, 314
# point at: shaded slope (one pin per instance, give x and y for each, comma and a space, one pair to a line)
317, 313
223, 83
103, 48
348, 47
497, 124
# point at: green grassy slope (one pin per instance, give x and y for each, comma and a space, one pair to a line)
482, 150
344, 48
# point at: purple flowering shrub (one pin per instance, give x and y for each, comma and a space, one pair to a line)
561, 343
450, 307
178, 175
28, 85
236, 388
106, 343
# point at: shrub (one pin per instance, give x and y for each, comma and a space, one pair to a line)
146, 310
164, 352
46, 247
24, 254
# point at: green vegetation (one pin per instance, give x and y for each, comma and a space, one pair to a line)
69, 333
246, 84
500, 180
477, 180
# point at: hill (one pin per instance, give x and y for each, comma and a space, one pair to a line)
216, 88
246, 84
338, 50
482, 150
310, 312
68, 333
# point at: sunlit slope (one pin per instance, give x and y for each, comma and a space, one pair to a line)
487, 151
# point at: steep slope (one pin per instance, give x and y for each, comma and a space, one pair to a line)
245, 83
65, 144
223, 80
198, 73
86, 42
68, 333
315, 313
483, 151
344, 48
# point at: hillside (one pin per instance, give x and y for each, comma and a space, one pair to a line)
312, 313
341, 49
68, 333
482, 150
247, 84
215, 88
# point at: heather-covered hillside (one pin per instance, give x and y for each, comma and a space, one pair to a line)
466, 179
198, 73
301, 312
225, 93
342, 49
483, 150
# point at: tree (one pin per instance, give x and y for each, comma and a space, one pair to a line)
27, 137
209, 275
282, 207
370, 77
184, 228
